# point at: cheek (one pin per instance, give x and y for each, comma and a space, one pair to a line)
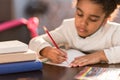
77, 21
93, 27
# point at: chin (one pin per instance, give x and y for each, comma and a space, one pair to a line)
82, 36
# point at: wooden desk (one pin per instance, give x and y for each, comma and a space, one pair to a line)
50, 72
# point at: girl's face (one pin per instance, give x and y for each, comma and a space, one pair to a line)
89, 18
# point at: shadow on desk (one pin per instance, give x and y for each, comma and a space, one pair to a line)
51, 72
33, 75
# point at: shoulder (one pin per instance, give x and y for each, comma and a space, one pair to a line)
67, 27
69, 24
71, 20
111, 28
112, 25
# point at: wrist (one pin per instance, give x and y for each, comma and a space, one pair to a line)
103, 58
44, 51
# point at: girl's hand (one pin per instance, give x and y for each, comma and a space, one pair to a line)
54, 54
92, 58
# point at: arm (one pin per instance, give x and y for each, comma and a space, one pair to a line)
42, 45
113, 53
109, 54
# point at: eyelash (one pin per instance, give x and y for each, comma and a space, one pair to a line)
93, 20
89, 18
79, 15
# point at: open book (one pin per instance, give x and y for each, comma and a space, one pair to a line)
71, 54
98, 73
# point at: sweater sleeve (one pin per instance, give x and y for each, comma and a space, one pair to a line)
61, 35
37, 44
42, 41
113, 53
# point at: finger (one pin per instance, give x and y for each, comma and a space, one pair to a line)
78, 57
62, 53
54, 61
61, 59
87, 62
84, 63
57, 61
60, 56
78, 62
74, 63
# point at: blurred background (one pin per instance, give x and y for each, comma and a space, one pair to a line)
51, 13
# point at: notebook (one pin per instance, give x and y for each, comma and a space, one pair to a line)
71, 54
18, 56
12, 46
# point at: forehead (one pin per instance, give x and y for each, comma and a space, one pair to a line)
89, 6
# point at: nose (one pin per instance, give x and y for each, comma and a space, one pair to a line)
84, 22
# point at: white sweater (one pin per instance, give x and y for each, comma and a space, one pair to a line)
107, 38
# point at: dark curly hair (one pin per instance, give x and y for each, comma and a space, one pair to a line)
108, 5
118, 2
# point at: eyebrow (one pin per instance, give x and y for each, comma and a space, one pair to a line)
90, 15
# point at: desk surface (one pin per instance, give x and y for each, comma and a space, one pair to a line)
50, 72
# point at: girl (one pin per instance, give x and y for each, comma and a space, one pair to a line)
89, 32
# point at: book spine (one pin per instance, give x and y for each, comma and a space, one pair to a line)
20, 67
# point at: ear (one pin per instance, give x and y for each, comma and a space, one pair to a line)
105, 21
110, 18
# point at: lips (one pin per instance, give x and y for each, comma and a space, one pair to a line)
81, 30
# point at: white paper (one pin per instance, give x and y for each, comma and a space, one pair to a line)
71, 55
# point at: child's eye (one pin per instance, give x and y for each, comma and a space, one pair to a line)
93, 19
80, 15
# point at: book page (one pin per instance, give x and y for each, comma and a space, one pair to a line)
71, 54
